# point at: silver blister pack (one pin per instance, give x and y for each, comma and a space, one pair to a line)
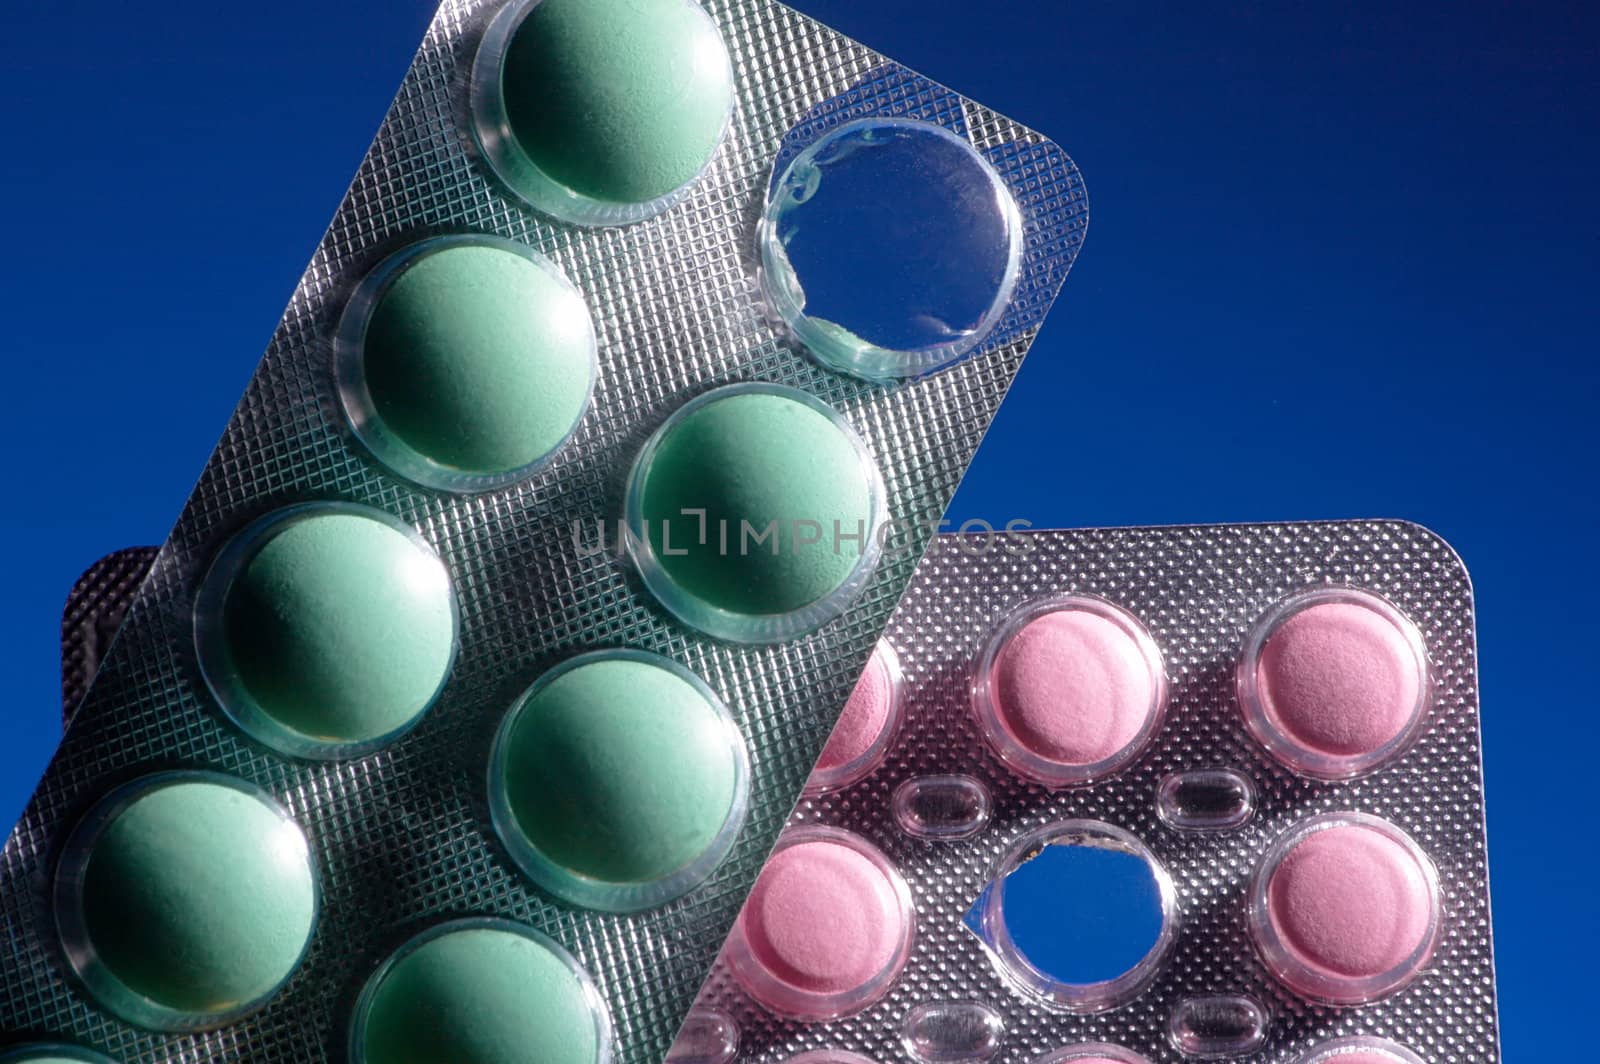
397, 832
1203, 891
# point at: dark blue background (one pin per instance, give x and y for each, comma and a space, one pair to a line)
1343, 262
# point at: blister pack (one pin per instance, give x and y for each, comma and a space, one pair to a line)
598, 441
1134, 795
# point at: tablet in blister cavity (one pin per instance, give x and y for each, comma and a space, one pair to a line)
1360, 1049
1110, 858
326, 630
185, 900
1345, 908
601, 112
827, 928
52, 1053
541, 554
465, 362
756, 513
1334, 682
480, 989
1090, 1053
1069, 690
618, 781
538, 559
866, 726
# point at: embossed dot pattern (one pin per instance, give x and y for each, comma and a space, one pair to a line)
1198, 590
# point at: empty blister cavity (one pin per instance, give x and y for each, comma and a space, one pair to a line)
706, 1037
1090, 1053
826, 929
1069, 690
1076, 931
1080, 915
890, 247
326, 630
480, 991
465, 362
1334, 682
829, 1056
185, 900
1206, 799
941, 808
755, 513
618, 781
1360, 1049
52, 1053
940, 1031
1218, 1026
865, 727
1345, 908
601, 112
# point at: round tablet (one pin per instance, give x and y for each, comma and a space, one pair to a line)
465, 362
601, 111
1360, 1049
618, 781
861, 736
1069, 690
1345, 908
186, 899
1097, 1053
326, 630
52, 1054
480, 991
755, 513
930, 233
829, 1056
826, 929
1334, 682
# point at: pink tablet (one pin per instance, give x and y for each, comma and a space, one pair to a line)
1334, 682
1069, 690
826, 929
1360, 1049
1345, 908
1087, 1053
865, 727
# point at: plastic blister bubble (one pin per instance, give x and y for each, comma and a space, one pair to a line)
528, 100
530, 531
1079, 914
185, 900
424, 1001
1205, 798
326, 630
937, 262
1357, 920
535, 379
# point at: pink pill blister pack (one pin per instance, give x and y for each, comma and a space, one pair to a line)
1136, 795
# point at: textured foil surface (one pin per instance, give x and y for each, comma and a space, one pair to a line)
401, 837
95, 606
1198, 590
